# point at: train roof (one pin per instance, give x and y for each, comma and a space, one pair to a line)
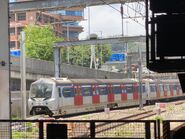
87, 81
100, 81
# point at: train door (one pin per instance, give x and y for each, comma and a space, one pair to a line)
146, 89
124, 96
136, 91
87, 94
165, 90
78, 98
129, 90
95, 94
171, 89
179, 90
117, 91
110, 93
103, 91
161, 90
153, 90
158, 91
66, 98
59, 96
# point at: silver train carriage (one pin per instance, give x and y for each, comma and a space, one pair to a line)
69, 96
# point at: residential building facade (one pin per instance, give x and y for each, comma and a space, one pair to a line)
65, 23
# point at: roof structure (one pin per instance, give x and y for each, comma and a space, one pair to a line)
59, 4
101, 41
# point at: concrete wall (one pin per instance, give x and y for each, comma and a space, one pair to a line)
38, 68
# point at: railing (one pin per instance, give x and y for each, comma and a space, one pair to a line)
42, 129
128, 129
173, 129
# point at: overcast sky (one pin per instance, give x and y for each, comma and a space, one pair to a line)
107, 21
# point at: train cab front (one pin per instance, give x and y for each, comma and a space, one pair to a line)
38, 110
41, 98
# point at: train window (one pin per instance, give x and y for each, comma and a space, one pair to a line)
103, 90
152, 88
129, 88
39, 90
124, 90
97, 91
87, 91
175, 87
179, 87
116, 89
165, 87
68, 92
168, 87
109, 89
161, 87
78, 91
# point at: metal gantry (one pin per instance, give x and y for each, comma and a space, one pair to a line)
117, 40
59, 4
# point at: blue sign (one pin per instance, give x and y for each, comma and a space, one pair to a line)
15, 53
118, 57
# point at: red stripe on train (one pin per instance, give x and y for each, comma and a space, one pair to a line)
136, 94
111, 97
78, 100
171, 91
124, 97
96, 99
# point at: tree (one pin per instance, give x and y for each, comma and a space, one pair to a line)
40, 41
81, 55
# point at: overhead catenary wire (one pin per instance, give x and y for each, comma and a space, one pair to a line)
127, 16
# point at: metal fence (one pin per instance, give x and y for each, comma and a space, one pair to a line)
54, 129
173, 129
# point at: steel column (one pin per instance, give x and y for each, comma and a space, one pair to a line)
57, 60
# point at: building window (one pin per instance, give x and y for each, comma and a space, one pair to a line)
19, 29
12, 31
21, 16
39, 17
52, 20
12, 17
12, 44
46, 19
74, 13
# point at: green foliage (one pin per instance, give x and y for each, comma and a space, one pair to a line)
14, 117
158, 117
81, 55
39, 42
133, 47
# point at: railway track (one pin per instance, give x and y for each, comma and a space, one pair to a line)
105, 126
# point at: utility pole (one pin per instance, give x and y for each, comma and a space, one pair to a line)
93, 57
140, 80
68, 40
23, 74
121, 9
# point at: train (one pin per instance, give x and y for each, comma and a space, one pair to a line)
63, 96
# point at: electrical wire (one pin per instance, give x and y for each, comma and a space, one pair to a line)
123, 13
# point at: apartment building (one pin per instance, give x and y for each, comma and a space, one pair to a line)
65, 23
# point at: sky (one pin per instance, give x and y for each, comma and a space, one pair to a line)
106, 21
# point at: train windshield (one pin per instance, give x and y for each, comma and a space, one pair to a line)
41, 90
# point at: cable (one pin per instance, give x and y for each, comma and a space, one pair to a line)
123, 13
